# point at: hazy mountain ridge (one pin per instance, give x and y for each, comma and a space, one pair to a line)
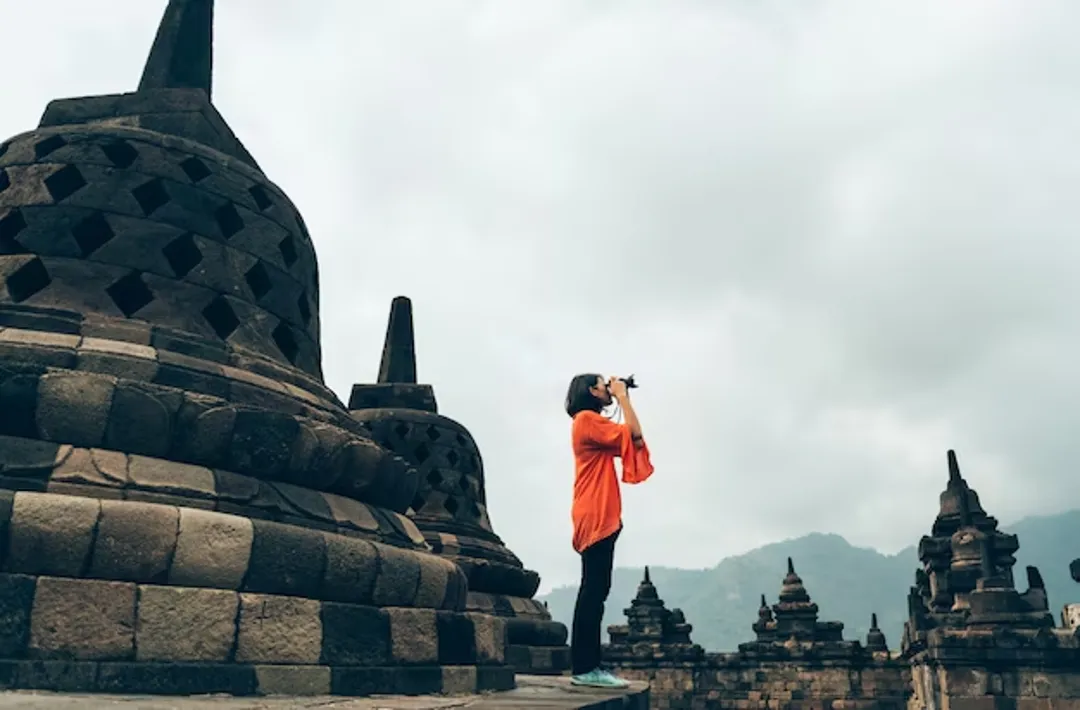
846, 582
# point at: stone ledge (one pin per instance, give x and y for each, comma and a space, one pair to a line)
531, 692
58, 619
242, 679
126, 541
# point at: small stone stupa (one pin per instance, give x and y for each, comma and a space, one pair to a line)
790, 628
184, 506
653, 633
449, 505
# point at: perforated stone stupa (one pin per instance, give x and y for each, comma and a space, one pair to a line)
184, 506
450, 503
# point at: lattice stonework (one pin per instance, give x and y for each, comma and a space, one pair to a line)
114, 222
451, 472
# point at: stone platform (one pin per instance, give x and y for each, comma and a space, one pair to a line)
540, 693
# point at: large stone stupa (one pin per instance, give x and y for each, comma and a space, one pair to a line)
184, 506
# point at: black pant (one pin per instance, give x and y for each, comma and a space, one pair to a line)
596, 565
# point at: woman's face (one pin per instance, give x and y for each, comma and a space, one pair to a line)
601, 392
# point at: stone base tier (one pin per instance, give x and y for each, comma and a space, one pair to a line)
42, 466
82, 634
56, 535
538, 660
537, 643
243, 679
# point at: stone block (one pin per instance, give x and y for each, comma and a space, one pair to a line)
293, 680
135, 541
29, 459
411, 531
276, 629
351, 513
162, 476
83, 619
458, 680
355, 635
16, 602
139, 422
185, 624
56, 676
175, 678
434, 573
18, 395
398, 578
116, 365
51, 534
90, 466
414, 636
351, 569
286, 559
73, 407
490, 634
456, 639
212, 550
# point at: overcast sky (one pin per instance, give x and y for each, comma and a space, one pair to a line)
832, 238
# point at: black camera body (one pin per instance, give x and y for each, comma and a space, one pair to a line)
629, 381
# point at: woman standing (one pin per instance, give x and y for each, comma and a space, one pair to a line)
597, 509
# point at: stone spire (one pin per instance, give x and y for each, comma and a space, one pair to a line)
182, 54
652, 630
792, 622
958, 502
398, 365
967, 578
875, 639
765, 626
396, 386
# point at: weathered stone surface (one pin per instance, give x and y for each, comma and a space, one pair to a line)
355, 635
73, 408
434, 574
185, 624
135, 541
293, 680
212, 550
16, 600
414, 636
51, 534
83, 619
490, 638
277, 629
163, 476
351, 570
398, 577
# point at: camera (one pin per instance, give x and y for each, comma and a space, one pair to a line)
628, 381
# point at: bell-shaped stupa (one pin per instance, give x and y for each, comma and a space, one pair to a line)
184, 506
450, 502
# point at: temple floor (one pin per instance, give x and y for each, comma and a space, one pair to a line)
554, 693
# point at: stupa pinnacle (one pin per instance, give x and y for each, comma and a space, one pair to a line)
183, 53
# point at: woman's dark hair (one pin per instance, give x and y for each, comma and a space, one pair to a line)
579, 398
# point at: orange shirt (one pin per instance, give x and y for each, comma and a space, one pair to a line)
597, 509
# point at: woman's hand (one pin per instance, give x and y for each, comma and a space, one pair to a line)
617, 388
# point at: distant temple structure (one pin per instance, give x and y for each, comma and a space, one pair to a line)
972, 639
